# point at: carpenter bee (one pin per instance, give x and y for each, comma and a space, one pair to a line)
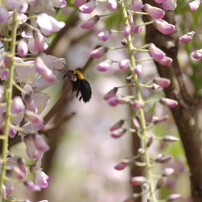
79, 84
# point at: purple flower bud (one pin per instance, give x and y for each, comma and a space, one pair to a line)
166, 61
163, 158
104, 36
156, 53
117, 125
113, 101
187, 37
136, 123
104, 66
44, 71
154, 12
22, 48
98, 52
122, 165
164, 27
40, 143
78, 3
123, 64
169, 5
18, 174
169, 103
118, 133
137, 104
21, 165
138, 180
138, 69
168, 171
197, 54
111, 93
12, 133
173, 197
41, 179
59, 3
31, 186
48, 24
161, 182
157, 120
194, 5
17, 105
136, 29
137, 5
88, 7
3, 15
162, 82
90, 23
112, 4
39, 41
126, 30
4, 74
169, 138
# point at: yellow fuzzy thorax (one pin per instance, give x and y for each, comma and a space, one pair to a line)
79, 74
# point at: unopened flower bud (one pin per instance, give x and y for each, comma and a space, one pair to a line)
112, 4
111, 93
3, 191
41, 179
118, 133
137, 5
187, 37
163, 158
162, 82
160, 1
98, 52
126, 30
136, 29
169, 103
138, 69
197, 54
123, 64
12, 133
104, 35
88, 7
157, 120
21, 165
137, 104
90, 23
18, 173
22, 48
168, 171
150, 141
17, 105
164, 27
104, 66
169, 138
154, 12
156, 53
117, 125
194, 5
169, 5
136, 123
173, 197
39, 41
166, 61
122, 165
138, 180
59, 3
161, 182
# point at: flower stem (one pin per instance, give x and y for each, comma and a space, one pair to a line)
8, 101
141, 112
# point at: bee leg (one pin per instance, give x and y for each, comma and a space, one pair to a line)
77, 93
80, 98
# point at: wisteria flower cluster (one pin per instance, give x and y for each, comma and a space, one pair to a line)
137, 101
25, 26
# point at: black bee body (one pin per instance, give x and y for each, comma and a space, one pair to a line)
79, 84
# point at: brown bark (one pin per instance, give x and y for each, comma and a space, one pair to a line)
186, 113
